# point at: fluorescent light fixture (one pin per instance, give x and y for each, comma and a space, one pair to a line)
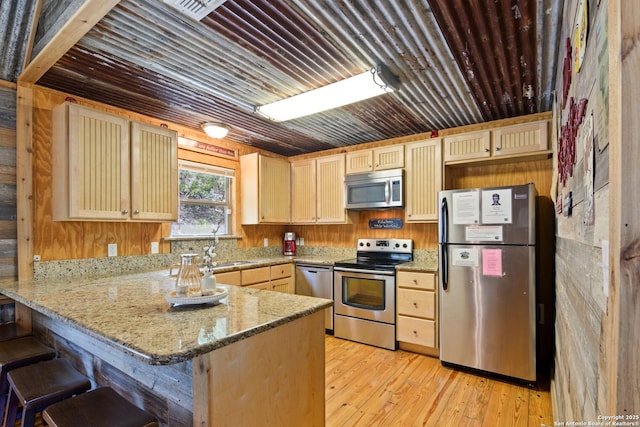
215, 130
374, 82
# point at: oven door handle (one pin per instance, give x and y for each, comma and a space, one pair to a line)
362, 271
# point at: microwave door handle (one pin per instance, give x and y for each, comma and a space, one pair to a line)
387, 191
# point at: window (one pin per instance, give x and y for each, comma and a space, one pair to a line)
205, 200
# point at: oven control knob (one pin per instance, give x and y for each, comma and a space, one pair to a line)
404, 245
368, 244
361, 244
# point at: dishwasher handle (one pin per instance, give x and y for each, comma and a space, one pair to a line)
314, 268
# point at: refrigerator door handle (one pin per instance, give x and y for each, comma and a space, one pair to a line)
444, 258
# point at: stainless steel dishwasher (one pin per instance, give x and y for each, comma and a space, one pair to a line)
316, 280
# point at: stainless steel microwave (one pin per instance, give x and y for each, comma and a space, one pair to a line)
375, 190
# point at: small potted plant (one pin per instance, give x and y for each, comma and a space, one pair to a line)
208, 279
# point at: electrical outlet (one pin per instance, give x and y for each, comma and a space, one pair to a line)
301, 241
155, 247
112, 249
266, 242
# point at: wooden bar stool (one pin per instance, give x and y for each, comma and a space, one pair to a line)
102, 407
16, 353
9, 331
39, 385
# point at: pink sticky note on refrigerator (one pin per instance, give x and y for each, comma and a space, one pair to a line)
492, 262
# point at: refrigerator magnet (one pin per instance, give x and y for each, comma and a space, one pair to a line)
481, 233
496, 206
466, 208
465, 257
492, 262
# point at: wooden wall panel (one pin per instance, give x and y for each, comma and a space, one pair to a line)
424, 236
8, 202
59, 240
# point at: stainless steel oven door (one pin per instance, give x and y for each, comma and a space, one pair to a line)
365, 294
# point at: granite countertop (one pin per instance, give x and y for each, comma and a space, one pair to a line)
223, 266
129, 312
418, 266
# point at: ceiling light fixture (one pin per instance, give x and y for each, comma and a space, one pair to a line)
377, 81
215, 130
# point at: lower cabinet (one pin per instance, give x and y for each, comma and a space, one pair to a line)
417, 308
229, 278
278, 278
282, 278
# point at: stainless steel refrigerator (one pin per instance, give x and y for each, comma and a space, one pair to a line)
487, 280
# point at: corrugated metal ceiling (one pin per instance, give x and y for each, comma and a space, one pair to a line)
491, 59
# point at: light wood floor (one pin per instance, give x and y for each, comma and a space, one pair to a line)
370, 386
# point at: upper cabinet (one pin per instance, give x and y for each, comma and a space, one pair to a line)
154, 173
388, 157
467, 146
423, 180
519, 140
265, 188
303, 191
330, 189
318, 190
106, 168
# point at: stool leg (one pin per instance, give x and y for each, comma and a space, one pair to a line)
28, 417
4, 389
11, 412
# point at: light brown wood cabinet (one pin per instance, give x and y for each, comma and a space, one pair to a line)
417, 308
265, 193
318, 190
423, 180
303, 191
278, 278
507, 141
107, 168
387, 157
229, 278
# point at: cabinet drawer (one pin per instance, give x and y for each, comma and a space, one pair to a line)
262, 285
417, 303
416, 280
416, 331
280, 271
255, 275
229, 278
282, 285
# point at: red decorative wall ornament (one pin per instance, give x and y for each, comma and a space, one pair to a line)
566, 73
567, 139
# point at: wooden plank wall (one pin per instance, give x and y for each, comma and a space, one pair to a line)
579, 387
622, 344
8, 230
57, 240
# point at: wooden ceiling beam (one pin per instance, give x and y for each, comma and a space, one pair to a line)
87, 16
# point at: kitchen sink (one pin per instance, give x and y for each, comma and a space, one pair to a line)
235, 263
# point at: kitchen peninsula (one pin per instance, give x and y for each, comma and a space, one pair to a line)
257, 358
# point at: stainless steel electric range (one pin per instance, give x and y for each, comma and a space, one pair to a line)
365, 291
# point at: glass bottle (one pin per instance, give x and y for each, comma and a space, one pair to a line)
188, 282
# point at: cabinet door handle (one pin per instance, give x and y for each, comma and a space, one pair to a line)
415, 304
125, 212
498, 148
136, 212
486, 150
